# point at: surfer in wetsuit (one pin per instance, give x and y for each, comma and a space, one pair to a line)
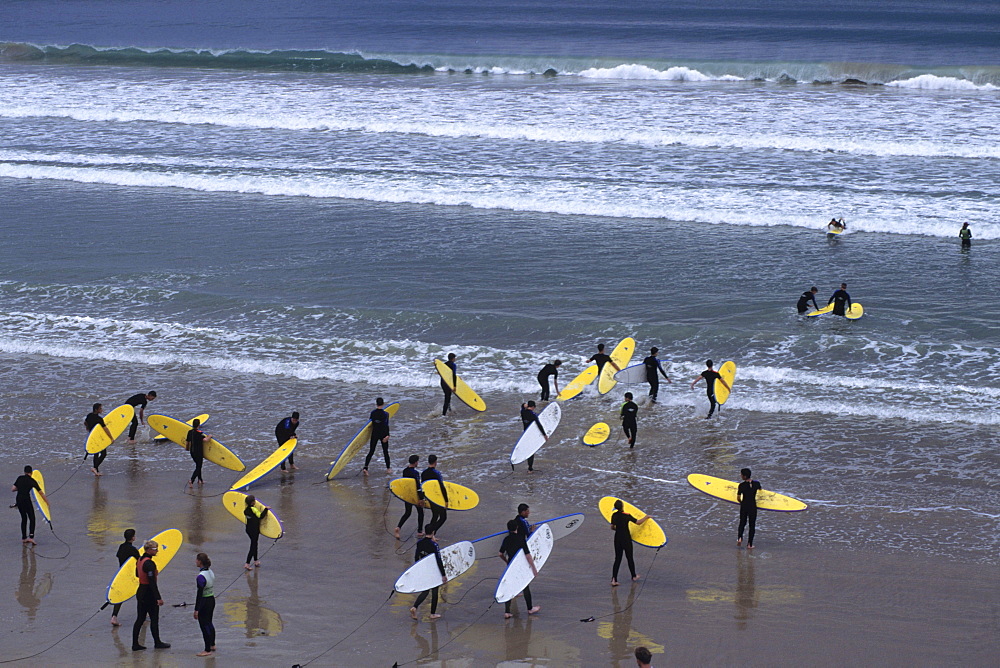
380, 433
125, 552
746, 494
438, 514
628, 415
807, 296
600, 358
529, 416
965, 234
543, 378
653, 366
147, 599
711, 376
515, 541
204, 602
427, 546
92, 420
836, 225
412, 472
623, 540
841, 300
23, 486
284, 431
254, 517
139, 401
454, 383
196, 447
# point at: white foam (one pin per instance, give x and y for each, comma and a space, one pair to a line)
934, 82
642, 72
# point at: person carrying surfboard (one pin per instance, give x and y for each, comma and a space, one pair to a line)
841, 300
147, 598
600, 358
543, 378
808, 296
254, 517
628, 415
196, 448
125, 552
711, 376
746, 494
23, 486
92, 420
623, 540
139, 401
438, 514
653, 366
515, 541
412, 472
379, 419
284, 431
454, 383
529, 416
425, 547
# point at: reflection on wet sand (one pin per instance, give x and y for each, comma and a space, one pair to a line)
622, 638
249, 614
29, 593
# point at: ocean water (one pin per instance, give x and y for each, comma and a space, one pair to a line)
326, 196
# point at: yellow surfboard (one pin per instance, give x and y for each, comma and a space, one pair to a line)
459, 497
405, 489
360, 439
268, 465
597, 434
458, 386
116, 421
270, 526
124, 585
578, 384
826, 309
202, 419
855, 312
728, 373
648, 533
726, 490
177, 432
621, 356
43, 505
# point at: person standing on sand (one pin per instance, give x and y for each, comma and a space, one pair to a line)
841, 300
204, 602
125, 552
643, 657
529, 417
196, 447
628, 415
600, 358
802, 306
147, 598
380, 433
23, 486
623, 540
438, 514
515, 541
653, 366
965, 234
711, 376
92, 420
425, 547
746, 494
139, 401
454, 383
254, 517
412, 472
284, 431
543, 378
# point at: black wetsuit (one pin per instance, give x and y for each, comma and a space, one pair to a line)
125, 552
747, 494
652, 364
204, 605
138, 402
283, 431
600, 359
629, 413
803, 303
447, 389
380, 429
841, 302
965, 234
438, 514
710, 378
427, 546
24, 484
196, 447
412, 472
91, 421
623, 542
512, 544
543, 379
253, 531
146, 598
528, 416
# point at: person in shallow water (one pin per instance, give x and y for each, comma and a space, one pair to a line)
746, 494
653, 366
139, 401
380, 434
283, 432
711, 376
808, 296
628, 415
92, 420
600, 358
454, 382
549, 370
836, 225
841, 300
529, 416
965, 234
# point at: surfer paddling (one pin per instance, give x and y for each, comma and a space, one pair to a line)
92, 420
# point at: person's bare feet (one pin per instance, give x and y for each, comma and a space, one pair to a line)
749, 547
31, 541
248, 567
395, 532
204, 653
388, 471
257, 563
507, 615
435, 615
535, 609
413, 613
365, 472
131, 441
294, 467
114, 620
614, 583
635, 578
739, 541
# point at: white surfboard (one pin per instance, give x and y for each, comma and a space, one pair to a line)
519, 574
425, 575
561, 527
632, 375
531, 440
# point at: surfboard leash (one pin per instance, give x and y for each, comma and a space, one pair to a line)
78, 469
69, 548
450, 641
642, 586
302, 665
32, 656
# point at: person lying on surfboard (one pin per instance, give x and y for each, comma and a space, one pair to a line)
836, 225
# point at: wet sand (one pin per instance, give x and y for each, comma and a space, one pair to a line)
327, 583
